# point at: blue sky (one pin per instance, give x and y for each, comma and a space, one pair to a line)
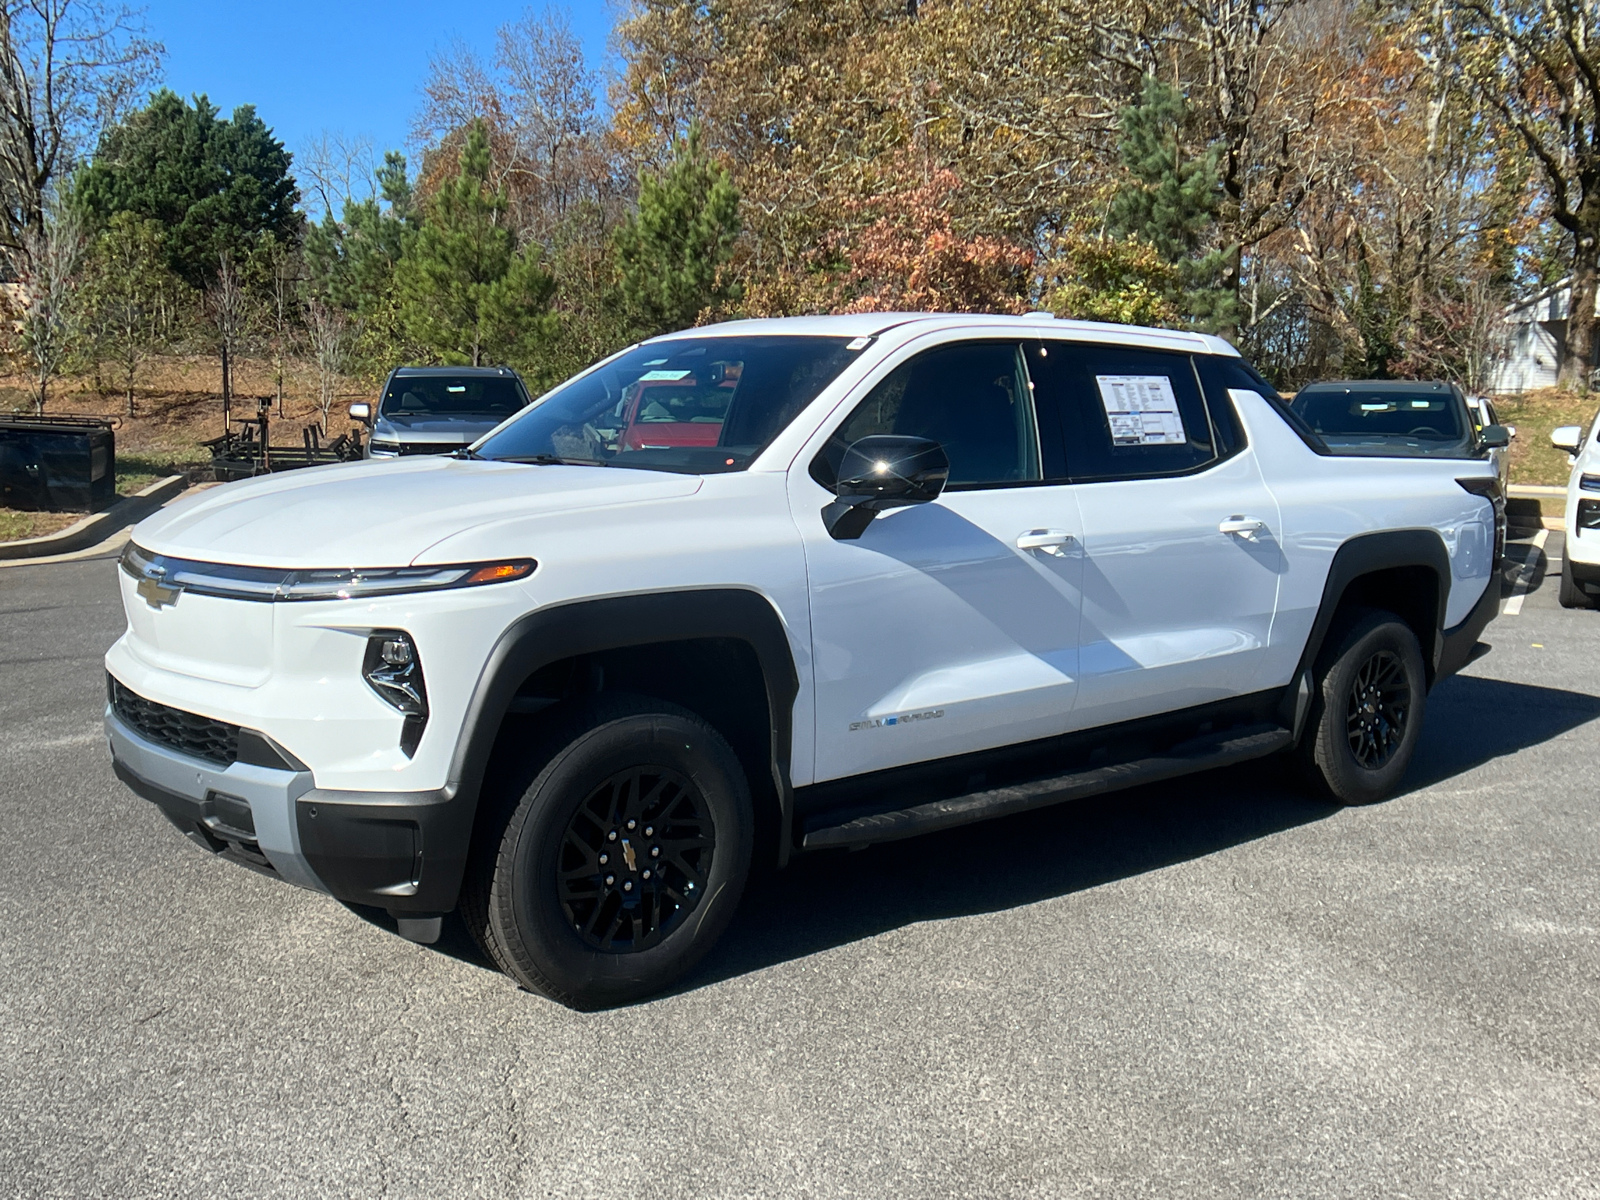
331, 66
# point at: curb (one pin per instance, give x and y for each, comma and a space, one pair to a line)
97, 527
1535, 506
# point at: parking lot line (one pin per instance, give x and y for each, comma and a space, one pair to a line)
1513, 606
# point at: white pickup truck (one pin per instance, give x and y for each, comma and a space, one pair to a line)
775, 587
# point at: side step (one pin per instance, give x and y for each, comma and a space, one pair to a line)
1235, 745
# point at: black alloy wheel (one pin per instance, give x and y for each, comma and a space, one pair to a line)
635, 859
616, 852
1377, 711
1369, 694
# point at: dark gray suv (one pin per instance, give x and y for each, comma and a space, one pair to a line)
437, 410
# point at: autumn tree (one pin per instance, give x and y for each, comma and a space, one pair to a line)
328, 332
911, 259
1535, 64
468, 294
68, 70
48, 312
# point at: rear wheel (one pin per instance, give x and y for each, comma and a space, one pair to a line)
1571, 595
622, 860
1366, 711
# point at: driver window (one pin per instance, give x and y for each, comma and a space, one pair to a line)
972, 398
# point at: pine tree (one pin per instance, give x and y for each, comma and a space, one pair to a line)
351, 263
672, 253
467, 294
1172, 203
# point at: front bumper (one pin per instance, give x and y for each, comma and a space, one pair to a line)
402, 851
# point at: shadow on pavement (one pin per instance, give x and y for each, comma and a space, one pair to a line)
1472, 720
833, 898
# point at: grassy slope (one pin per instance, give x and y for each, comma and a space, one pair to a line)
177, 407
1535, 414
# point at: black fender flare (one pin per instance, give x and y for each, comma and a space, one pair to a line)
1361, 555
615, 623
365, 846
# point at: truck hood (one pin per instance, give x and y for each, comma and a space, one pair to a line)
383, 514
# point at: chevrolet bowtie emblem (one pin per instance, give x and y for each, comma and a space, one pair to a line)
627, 853
157, 594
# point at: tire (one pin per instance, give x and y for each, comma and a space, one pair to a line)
593, 934
1570, 594
1366, 710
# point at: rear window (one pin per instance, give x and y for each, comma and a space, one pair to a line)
1412, 421
452, 396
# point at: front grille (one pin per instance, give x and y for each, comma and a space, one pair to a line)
429, 448
188, 733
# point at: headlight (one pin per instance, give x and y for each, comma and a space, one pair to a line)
177, 575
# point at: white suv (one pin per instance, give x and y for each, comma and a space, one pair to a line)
773, 587
1580, 556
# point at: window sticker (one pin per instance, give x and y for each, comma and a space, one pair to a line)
1142, 410
653, 376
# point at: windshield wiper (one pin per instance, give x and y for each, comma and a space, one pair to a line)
547, 460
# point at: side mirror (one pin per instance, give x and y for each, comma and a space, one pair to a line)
1511, 431
361, 412
1495, 436
1567, 437
880, 472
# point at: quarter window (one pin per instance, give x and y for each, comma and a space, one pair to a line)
973, 398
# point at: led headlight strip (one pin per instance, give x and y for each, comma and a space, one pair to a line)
331, 583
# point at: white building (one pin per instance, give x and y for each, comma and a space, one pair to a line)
1536, 335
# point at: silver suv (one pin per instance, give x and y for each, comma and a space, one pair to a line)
438, 410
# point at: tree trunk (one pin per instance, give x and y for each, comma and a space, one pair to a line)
227, 390
1577, 359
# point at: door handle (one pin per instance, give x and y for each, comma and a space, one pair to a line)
1051, 541
1245, 527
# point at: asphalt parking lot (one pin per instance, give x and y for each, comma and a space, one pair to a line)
1213, 987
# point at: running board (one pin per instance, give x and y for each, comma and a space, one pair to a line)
1236, 745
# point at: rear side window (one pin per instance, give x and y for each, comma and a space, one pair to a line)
972, 398
1222, 373
1126, 413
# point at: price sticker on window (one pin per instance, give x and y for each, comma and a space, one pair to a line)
1141, 410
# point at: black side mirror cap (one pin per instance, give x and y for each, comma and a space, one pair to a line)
881, 472
1495, 436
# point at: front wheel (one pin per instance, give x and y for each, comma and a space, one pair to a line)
622, 861
1366, 712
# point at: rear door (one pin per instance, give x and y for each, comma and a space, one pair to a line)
1181, 555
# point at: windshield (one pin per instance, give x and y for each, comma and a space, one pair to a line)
493, 396
1423, 420
699, 405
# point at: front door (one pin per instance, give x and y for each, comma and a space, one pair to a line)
1181, 557
951, 626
